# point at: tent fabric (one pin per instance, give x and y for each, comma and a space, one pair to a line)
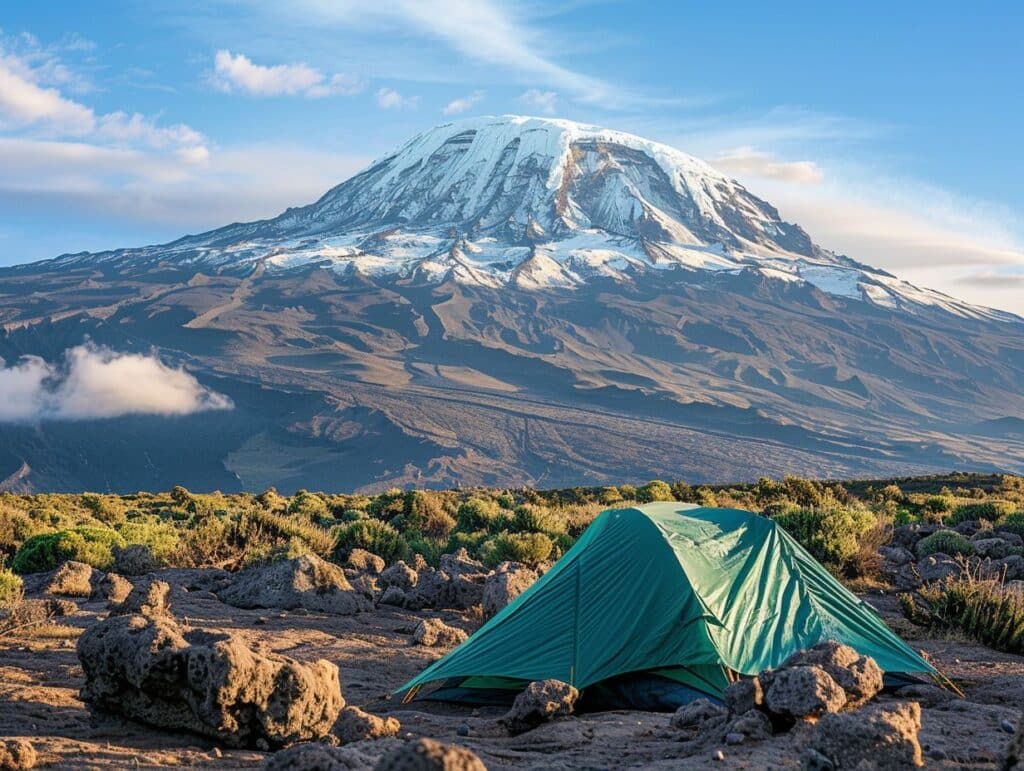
689, 592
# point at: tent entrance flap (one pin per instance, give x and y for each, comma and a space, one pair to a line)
665, 592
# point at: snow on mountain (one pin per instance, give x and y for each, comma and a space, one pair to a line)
541, 204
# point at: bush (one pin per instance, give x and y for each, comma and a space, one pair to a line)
655, 490
528, 548
375, 536
530, 518
309, 506
988, 510
478, 513
832, 536
1013, 523
982, 608
161, 537
946, 542
91, 545
10, 588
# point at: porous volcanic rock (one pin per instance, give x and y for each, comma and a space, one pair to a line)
428, 755
880, 737
859, 676
433, 632
508, 581
355, 725
541, 701
303, 582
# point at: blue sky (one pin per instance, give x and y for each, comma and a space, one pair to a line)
890, 133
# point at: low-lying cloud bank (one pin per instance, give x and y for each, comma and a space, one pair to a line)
96, 382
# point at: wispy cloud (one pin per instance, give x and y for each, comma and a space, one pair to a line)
95, 382
237, 72
541, 101
747, 161
463, 103
389, 99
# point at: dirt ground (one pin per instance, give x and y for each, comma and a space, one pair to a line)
40, 678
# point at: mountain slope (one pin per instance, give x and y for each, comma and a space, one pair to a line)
520, 300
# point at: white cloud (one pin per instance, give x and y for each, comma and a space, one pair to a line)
238, 72
746, 161
544, 101
463, 103
24, 102
95, 382
389, 99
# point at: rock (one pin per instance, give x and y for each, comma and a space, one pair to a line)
400, 575
859, 676
135, 560
428, 755
304, 582
907, 536
367, 585
1013, 758
508, 581
112, 588
355, 725
365, 561
393, 596
696, 713
744, 695
72, 579
753, 724
735, 738
970, 527
878, 737
798, 692
1012, 539
929, 695
462, 729
1008, 726
460, 563
316, 756
542, 700
438, 589
433, 632
897, 555
812, 760
16, 755
147, 669
938, 567
147, 598
1011, 566
992, 548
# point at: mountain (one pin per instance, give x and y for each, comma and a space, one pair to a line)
517, 300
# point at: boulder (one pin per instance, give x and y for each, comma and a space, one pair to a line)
1012, 539
367, 585
400, 575
752, 725
803, 691
460, 563
879, 737
1012, 567
896, 555
355, 725
508, 581
393, 596
938, 567
72, 579
16, 755
696, 713
112, 588
970, 527
744, 695
434, 633
135, 560
859, 676
438, 589
365, 561
317, 756
991, 548
428, 755
149, 669
148, 598
907, 536
543, 700
303, 582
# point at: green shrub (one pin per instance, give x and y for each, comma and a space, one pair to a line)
1013, 523
530, 518
161, 537
469, 541
430, 549
988, 510
979, 607
88, 544
308, 505
375, 536
832, 536
655, 490
10, 588
478, 513
528, 548
387, 505
947, 542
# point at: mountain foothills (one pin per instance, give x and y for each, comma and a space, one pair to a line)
510, 301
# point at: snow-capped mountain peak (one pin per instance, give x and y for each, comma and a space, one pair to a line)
540, 203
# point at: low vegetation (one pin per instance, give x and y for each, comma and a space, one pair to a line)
841, 524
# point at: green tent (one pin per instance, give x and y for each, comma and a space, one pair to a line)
664, 600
